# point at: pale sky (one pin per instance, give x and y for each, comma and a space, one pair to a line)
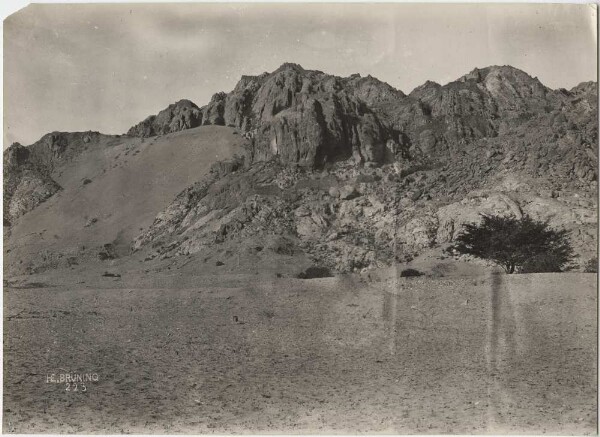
106, 67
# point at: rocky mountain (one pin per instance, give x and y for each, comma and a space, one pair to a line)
351, 173
496, 140
312, 118
305, 117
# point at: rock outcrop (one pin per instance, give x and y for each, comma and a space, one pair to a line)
313, 119
351, 218
304, 117
176, 117
25, 185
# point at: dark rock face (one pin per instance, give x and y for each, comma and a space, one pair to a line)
310, 118
25, 186
304, 117
307, 117
176, 117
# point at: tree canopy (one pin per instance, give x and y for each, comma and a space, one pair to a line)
525, 245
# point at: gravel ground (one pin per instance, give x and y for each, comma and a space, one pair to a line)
483, 354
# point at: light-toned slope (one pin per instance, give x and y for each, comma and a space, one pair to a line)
492, 354
130, 183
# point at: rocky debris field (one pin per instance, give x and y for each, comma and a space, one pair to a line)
347, 219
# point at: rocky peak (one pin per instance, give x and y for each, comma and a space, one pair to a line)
426, 91
504, 71
505, 83
372, 90
290, 66
181, 115
585, 88
249, 82
218, 97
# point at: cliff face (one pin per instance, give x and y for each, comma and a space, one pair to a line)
305, 117
311, 118
25, 186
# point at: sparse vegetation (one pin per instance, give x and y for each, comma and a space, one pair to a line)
591, 266
107, 252
410, 273
315, 272
524, 245
111, 275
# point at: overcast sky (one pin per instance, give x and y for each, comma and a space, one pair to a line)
106, 67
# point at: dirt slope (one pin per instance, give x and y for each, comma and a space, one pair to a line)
110, 193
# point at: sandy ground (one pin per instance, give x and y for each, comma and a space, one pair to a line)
245, 354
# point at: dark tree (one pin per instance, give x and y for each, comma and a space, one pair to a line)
524, 245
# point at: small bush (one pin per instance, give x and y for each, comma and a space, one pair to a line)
107, 252
408, 273
315, 272
591, 266
111, 275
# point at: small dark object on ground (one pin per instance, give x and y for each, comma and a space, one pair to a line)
111, 275
90, 222
409, 273
87, 181
219, 263
107, 252
315, 272
72, 261
28, 285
